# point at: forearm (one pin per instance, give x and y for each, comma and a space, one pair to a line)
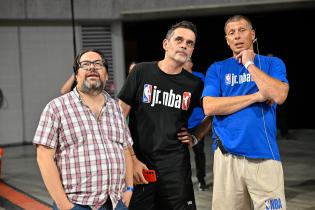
226, 105
134, 158
203, 128
51, 177
129, 176
67, 85
273, 89
129, 167
137, 169
125, 108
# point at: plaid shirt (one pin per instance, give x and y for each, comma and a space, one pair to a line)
89, 151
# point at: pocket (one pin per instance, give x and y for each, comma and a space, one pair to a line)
117, 139
54, 206
121, 206
80, 207
74, 207
269, 175
114, 134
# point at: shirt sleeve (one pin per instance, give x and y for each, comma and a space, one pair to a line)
212, 82
129, 89
48, 128
278, 69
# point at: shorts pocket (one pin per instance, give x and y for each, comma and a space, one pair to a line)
269, 175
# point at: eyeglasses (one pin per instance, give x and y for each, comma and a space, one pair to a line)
86, 65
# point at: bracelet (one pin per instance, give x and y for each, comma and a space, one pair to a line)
195, 140
248, 63
129, 188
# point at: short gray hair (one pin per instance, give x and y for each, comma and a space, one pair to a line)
238, 18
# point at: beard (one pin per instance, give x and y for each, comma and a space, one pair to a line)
92, 88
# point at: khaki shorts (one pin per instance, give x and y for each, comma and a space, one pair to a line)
241, 183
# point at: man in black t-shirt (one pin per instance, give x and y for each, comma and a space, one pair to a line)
159, 98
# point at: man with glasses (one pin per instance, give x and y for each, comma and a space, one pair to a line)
159, 98
82, 143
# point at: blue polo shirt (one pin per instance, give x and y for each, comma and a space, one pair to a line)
249, 132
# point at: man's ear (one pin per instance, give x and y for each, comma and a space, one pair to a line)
165, 44
253, 34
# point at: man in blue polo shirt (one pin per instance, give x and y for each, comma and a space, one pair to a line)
242, 93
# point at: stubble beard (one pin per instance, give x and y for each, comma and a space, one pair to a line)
90, 88
180, 59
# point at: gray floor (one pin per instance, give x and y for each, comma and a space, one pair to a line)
20, 170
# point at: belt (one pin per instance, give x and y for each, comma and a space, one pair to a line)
220, 145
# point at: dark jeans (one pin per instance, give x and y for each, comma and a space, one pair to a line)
106, 206
200, 160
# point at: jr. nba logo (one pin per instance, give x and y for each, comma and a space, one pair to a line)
228, 79
186, 100
147, 93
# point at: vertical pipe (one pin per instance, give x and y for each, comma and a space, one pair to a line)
73, 30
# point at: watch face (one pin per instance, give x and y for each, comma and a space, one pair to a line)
195, 140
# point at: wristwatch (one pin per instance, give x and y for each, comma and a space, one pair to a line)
129, 188
195, 140
248, 63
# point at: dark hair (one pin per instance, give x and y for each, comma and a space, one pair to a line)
76, 64
238, 18
182, 24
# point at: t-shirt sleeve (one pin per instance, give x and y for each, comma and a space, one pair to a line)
278, 69
48, 128
129, 89
212, 82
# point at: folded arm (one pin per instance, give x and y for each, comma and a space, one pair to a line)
229, 105
273, 89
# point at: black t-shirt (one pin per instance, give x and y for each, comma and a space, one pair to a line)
161, 104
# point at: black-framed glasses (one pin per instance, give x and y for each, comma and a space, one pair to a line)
86, 65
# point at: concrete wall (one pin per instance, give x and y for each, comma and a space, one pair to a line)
11, 120
134, 9
35, 61
47, 57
